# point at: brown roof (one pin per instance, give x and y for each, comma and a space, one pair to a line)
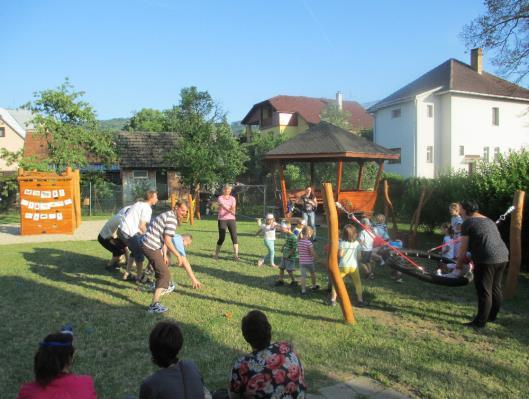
325, 141
456, 76
144, 149
35, 146
310, 108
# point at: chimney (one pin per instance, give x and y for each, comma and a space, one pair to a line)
476, 60
339, 100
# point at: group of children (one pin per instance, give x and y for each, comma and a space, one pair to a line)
356, 250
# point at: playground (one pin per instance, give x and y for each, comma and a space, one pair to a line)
410, 338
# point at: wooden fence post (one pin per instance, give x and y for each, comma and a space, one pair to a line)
515, 239
191, 209
389, 206
332, 261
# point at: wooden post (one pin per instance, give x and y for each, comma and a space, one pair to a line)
284, 198
173, 200
332, 261
312, 175
339, 172
379, 174
389, 206
515, 240
191, 209
360, 176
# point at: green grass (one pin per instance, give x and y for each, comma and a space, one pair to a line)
410, 338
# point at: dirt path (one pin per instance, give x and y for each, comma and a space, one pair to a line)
10, 234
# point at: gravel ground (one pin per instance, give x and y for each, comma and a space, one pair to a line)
10, 234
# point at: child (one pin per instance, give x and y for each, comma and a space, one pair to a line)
297, 230
290, 256
349, 251
268, 228
456, 221
306, 258
381, 230
366, 244
448, 250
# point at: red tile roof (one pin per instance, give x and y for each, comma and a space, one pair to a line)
310, 108
35, 146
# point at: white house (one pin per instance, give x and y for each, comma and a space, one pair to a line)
450, 117
14, 126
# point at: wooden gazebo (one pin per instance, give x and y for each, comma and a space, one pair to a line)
325, 142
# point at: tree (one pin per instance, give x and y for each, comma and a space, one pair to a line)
338, 117
70, 128
504, 28
207, 152
147, 120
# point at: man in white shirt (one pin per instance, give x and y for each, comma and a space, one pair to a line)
108, 238
132, 228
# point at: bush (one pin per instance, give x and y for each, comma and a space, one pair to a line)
8, 192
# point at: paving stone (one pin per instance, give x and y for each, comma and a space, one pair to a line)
390, 394
338, 391
365, 385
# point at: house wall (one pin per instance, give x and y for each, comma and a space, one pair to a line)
11, 142
428, 132
398, 132
472, 127
284, 128
444, 145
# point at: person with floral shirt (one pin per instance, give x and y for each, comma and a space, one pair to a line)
272, 370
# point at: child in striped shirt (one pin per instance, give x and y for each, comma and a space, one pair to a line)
306, 258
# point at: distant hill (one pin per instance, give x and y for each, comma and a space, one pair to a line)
114, 124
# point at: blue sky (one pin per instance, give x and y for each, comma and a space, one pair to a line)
127, 55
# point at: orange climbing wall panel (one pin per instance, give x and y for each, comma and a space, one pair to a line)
49, 203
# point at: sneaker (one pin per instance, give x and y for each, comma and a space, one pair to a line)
293, 284
399, 280
371, 276
315, 287
303, 292
169, 289
156, 308
260, 262
279, 283
332, 303
360, 304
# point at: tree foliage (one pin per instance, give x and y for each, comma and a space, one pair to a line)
338, 117
207, 152
504, 29
70, 128
147, 120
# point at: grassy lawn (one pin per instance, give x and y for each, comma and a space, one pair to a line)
410, 337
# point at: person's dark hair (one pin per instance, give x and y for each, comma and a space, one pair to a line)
349, 233
469, 206
165, 341
55, 353
256, 329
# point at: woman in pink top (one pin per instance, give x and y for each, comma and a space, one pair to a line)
227, 208
53, 376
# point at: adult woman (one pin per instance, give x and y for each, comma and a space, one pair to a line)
271, 370
308, 209
53, 377
490, 255
226, 220
176, 378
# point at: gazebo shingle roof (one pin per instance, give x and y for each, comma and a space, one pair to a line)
144, 149
327, 141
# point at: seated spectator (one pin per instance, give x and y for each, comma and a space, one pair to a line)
272, 370
53, 377
176, 378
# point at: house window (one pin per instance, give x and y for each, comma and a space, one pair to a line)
461, 150
495, 116
140, 174
395, 113
496, 153
395, 161
429, 108
486, 152
429, 154
2, 131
